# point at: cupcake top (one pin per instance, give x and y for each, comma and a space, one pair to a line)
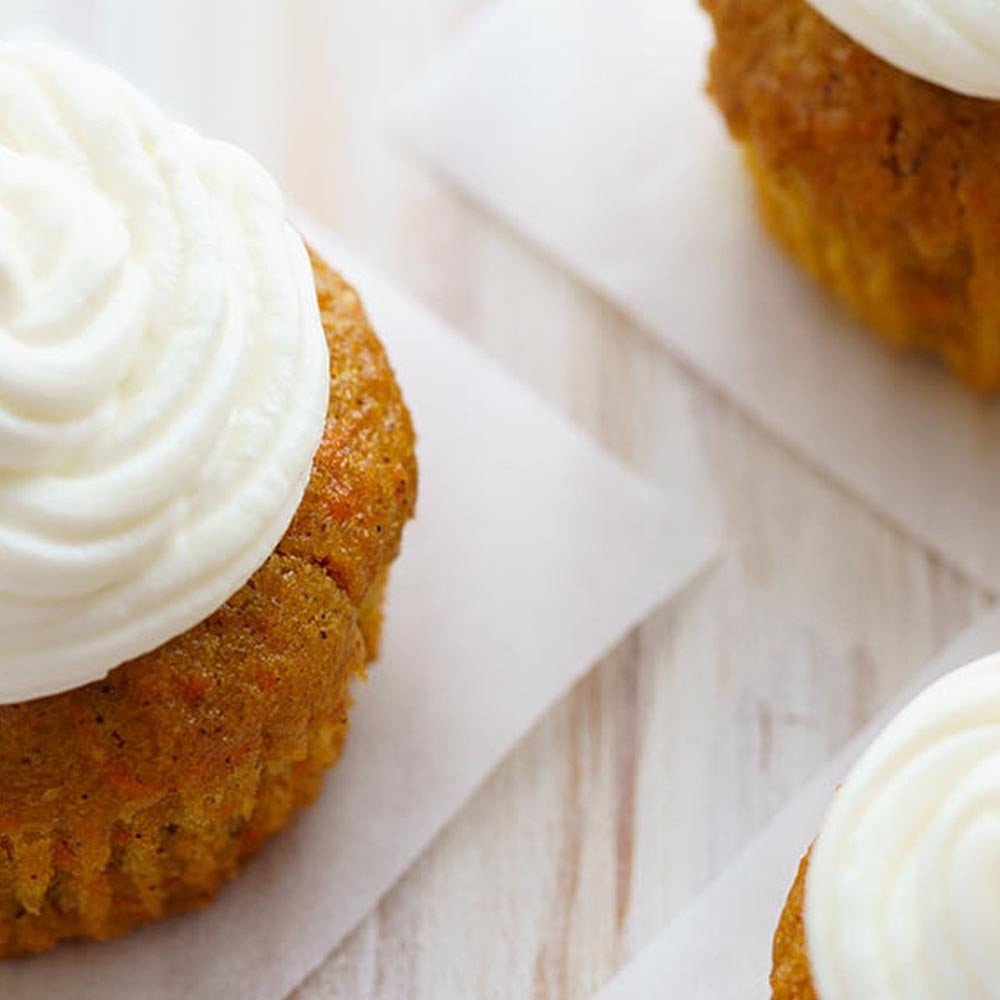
953, 43
163, 372
901, 894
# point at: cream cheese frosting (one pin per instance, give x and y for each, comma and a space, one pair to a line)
164, 376
901, 893
953, 43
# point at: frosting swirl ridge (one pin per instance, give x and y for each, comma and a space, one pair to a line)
163, 372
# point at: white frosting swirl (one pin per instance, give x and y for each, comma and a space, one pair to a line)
163, 372
901, 892
953, 43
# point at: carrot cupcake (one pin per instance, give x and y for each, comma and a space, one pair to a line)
872, 131
205, 469
898, 897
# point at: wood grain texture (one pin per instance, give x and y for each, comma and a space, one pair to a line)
657, 768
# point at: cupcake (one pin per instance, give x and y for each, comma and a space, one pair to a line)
205, 470
897, 898
872, 131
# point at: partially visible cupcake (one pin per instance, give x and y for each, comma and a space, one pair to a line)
205, 470
872, 131
898, 897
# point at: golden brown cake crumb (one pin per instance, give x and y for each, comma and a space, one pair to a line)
884, 187
141, 794
790, 975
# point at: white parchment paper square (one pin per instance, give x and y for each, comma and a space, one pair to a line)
532, 553
583, 124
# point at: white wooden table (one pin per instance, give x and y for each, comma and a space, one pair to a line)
654, 772
688, 737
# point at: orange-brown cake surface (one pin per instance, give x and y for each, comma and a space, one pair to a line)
140, 795
790, 975
881, 185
